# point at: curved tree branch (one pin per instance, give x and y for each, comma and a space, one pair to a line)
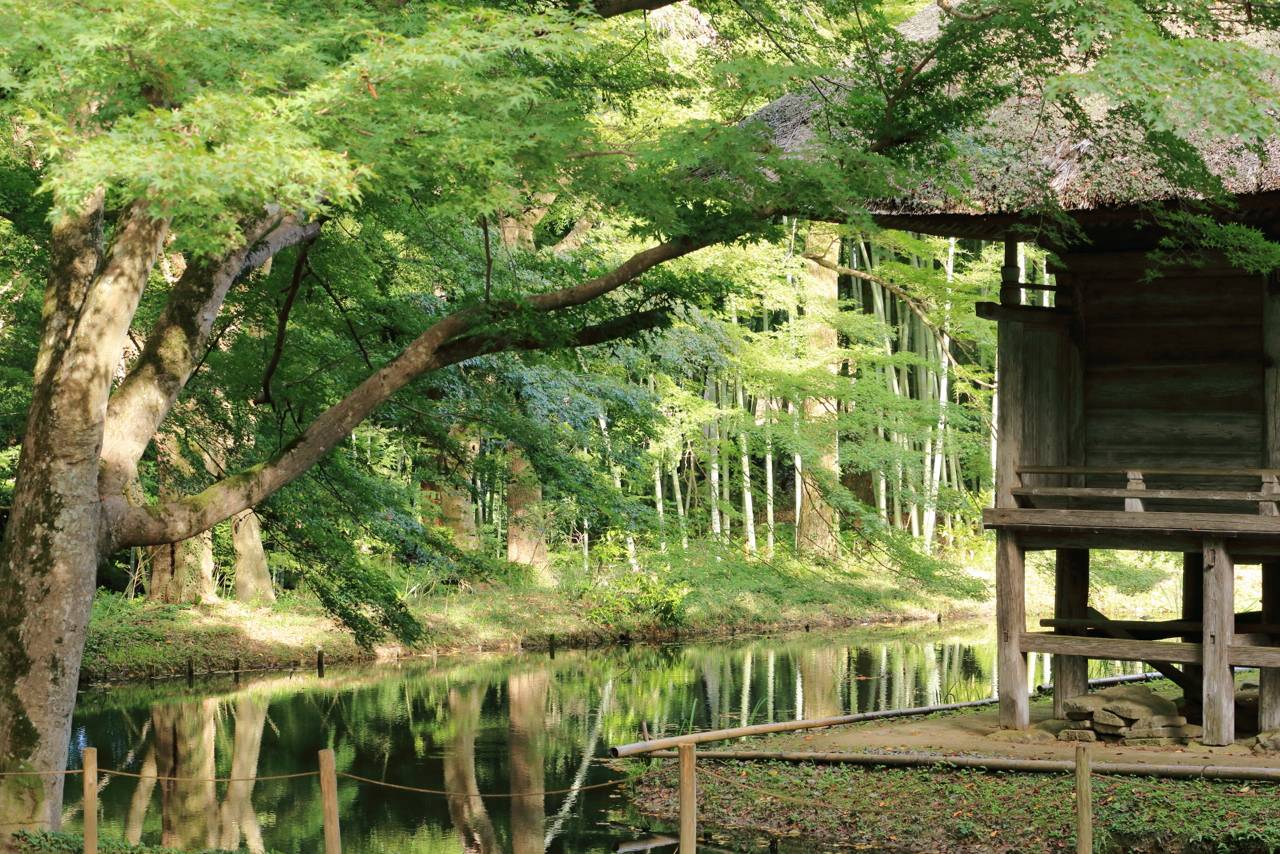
175, 344
446, 342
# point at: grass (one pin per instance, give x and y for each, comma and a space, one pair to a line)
852, 808
704, 592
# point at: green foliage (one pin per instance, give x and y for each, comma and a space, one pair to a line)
625, 599
32, 842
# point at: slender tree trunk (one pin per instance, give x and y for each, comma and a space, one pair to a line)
466, 807
679, 502
817, 525
713, 458
630, 540
748, 509
770, 526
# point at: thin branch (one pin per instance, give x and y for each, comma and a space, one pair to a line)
342, 309
282, 323
488, 260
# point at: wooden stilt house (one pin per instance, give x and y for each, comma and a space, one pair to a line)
1135, 412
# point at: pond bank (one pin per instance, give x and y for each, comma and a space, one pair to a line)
131, 639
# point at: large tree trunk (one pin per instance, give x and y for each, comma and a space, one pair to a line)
452, 503
253, 576
817, 527
54, 537
182, 573
526, 534
186, 734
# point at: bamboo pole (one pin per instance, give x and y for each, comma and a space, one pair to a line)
989, 763
90, 774
688, 799
1084, 801
329, 796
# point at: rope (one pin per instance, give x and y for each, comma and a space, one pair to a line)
110, 772
65, 773
423, 791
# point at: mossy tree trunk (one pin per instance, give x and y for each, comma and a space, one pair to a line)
76, 498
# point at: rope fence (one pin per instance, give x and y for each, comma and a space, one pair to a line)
326, 772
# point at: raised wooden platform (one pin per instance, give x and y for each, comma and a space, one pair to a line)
1249, 535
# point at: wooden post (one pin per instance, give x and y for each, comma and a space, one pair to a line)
329, 795
1135, 482
1011, 622
1218, 696
320, 663
1193, 611
688, 799
90, 764
1269, 677
191, 671
237, 670
1070, 601
1084, 801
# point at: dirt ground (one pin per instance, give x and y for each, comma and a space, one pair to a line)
977, 732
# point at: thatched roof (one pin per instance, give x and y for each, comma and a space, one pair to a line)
1021, 158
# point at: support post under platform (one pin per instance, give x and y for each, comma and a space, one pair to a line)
1218, 697
1011, 622
1070, 601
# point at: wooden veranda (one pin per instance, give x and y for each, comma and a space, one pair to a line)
1140, 414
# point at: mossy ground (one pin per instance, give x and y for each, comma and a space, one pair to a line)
815, 808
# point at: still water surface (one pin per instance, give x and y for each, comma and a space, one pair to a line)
469, 726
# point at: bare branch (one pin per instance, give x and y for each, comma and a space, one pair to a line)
282, 322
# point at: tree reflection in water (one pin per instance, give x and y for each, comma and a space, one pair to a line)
515, 724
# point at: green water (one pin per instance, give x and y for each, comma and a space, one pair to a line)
475, 725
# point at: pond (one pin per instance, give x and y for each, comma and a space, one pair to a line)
471, 727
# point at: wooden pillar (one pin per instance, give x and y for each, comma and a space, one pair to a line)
1010, 385
1070, 601
1193, 611
1218, 695
1269, 681
1011, 622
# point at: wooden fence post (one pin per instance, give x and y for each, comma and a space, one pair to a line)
688, 799
90, 774
329, 794
1084, 801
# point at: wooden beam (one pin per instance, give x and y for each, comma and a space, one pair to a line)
1241, 496
1070, 601
1119, 471
1115, 648
1166, 669
1243, 655
1022, 313
1212, 524
1245, 623
1011, 623
1218, 696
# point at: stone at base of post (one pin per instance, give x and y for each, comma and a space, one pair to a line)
1269, 677
1070, 601
1218, 696
1011, 622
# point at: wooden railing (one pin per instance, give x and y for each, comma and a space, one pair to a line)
1136, 494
